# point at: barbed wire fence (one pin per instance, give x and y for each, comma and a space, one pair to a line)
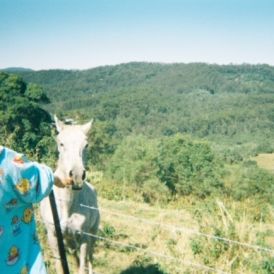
148, 252
183, 229
169, 227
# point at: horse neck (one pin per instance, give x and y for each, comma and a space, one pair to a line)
64, 198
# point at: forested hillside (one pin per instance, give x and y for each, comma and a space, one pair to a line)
232, 102
230, 106
146, 116
179, 136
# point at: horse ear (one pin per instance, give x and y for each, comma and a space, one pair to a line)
59, 124
86, 127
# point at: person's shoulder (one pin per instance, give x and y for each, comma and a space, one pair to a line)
13, 156
7, 150
2, 149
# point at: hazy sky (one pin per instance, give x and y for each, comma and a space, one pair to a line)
78, 34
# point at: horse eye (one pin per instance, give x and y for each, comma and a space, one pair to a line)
61, 144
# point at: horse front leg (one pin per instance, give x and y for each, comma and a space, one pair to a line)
82, 258
90, 268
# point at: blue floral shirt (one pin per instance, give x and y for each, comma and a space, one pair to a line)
22, 183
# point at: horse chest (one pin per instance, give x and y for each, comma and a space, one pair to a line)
69, 211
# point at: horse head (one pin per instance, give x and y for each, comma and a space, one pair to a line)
72, 144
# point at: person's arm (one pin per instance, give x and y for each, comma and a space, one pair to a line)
34, 181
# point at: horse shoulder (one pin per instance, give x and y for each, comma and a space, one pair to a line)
89, 195
89, 206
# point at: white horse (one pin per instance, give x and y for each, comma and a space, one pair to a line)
70, 191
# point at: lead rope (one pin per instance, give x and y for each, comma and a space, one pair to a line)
59, 234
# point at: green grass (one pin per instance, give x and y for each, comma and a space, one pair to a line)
137, 234
216, 218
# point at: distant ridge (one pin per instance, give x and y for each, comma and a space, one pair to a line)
16, 69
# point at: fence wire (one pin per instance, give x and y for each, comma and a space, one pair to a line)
183, 229
168, 227
155, 254
146, 251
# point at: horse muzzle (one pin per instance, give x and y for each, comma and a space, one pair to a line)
70, 183
76, 187
67, 183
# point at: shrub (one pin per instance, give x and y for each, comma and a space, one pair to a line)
154, 191
268, 266
132, 162
266, 147
254, 182
175, 164
232, 156
188, 167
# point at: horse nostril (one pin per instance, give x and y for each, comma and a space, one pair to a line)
84, 175
70, 174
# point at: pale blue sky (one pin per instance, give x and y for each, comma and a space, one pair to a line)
79, 34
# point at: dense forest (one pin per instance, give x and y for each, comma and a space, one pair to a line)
217, 102
162, 132
160, 123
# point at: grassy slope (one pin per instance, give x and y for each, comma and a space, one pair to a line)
191, 253
181, 244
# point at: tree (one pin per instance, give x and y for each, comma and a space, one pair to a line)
36, 94
188, 167
23, 123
